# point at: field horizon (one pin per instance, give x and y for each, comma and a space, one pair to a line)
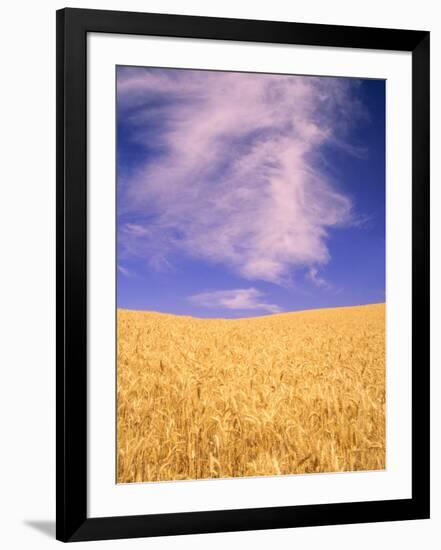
264, 315
287, 393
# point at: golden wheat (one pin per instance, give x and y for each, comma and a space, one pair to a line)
291, 393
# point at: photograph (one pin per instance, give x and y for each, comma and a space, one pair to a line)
242, 274
251, 284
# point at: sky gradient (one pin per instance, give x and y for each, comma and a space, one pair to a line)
244, 194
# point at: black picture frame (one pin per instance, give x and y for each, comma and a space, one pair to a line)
72, 521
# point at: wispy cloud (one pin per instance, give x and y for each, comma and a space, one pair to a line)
316, 279
123, 270
236, 179
238, 299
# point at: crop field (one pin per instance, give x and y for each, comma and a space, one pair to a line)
290, 393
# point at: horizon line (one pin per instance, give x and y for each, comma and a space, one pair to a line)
251, 316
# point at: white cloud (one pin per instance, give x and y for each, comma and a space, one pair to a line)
238, 299
123, 270
314, 277
238, 181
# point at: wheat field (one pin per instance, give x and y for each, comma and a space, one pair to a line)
290, 393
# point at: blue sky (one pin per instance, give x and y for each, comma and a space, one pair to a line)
244, 194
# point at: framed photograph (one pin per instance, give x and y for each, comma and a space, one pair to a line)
242, 275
